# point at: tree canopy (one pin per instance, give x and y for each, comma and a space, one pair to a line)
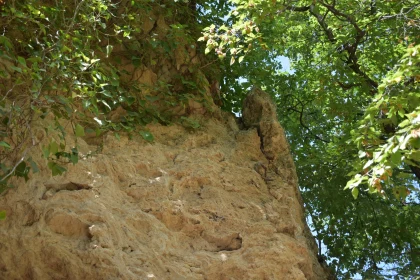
350, 108
350, 104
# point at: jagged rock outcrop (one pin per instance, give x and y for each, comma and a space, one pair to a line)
215, 203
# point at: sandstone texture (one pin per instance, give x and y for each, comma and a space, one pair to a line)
218, 202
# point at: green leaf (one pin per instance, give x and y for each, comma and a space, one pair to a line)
368, 163
18, 69
53, 147
80, 131
136, 61
86, 103
404, 123
46, 151
146, 135
404, 143
21, 60
5, 42
315, 9
22, 170
190, 122
34, 166
396, 158
4, 144
2, 215
74, 158
55, 168
355, 193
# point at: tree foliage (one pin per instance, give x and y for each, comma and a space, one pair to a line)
350, 105
67, 60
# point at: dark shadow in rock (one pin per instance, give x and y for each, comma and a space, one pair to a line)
70, 186
229, 242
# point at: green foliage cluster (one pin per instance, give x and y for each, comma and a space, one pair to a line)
48, 62
388, 137
65, 60
350, 107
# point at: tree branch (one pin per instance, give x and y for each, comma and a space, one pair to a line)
350, 48
348, 18
352, 60
287, 5
348, 86
400, 14
416, 170
305, 126
323, 24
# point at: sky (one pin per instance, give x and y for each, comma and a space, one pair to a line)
285, 63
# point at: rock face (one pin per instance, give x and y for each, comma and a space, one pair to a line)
214, 203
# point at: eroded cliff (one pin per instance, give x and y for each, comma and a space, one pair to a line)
220, 202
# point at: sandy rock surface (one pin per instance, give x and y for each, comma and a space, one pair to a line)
204, 204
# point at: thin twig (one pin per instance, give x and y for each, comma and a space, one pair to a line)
14, 167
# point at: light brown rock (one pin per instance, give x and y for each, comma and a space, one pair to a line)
191, 205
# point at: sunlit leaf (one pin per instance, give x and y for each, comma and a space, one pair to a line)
79, 130
146, 135
355, 193
53, 147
